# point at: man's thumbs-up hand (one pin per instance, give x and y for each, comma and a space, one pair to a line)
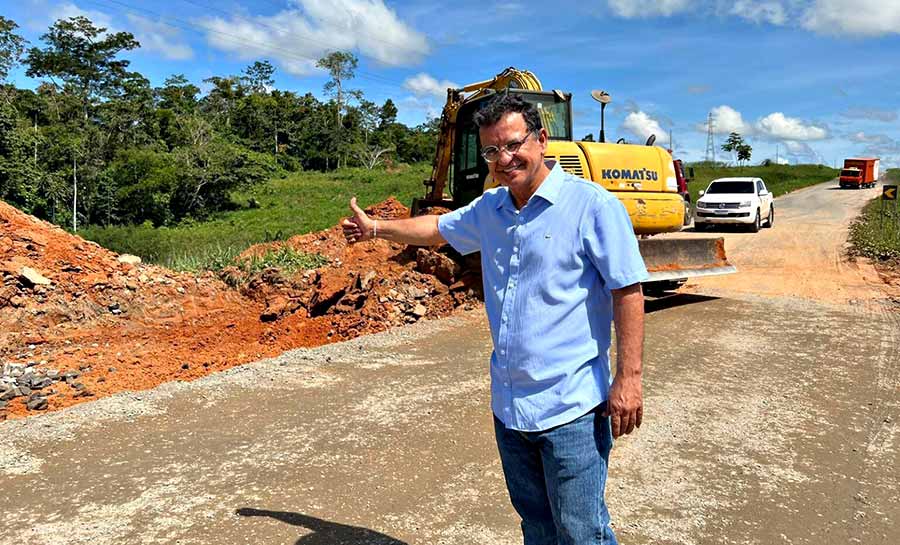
359, 226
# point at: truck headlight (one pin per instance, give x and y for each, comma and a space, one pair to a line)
745, 204
701, 204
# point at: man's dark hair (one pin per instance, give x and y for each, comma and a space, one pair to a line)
505, 103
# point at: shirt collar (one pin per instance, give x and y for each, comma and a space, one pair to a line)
548, 190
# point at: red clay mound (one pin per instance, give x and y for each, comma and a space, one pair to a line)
78, 323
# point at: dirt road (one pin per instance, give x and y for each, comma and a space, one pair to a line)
771, 418
803, 255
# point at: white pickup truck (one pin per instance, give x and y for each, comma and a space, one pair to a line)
737, 201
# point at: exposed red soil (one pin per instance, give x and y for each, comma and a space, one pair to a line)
133, 327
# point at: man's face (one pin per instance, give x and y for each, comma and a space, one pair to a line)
518, 171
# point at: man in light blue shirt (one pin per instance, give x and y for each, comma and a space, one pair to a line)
559, 262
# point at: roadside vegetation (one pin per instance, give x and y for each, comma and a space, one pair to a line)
876, 232
309, 201
780, 179
276, 210
95, 143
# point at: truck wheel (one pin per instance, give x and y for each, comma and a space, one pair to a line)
771, 221
754, 227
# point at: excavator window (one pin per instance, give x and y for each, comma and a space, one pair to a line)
554, 116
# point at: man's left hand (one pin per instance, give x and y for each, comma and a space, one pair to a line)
625, 406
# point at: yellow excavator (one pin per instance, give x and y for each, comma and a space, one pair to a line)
644, 177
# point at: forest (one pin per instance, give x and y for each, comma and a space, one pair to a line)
95, 143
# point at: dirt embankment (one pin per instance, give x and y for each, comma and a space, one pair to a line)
78, 322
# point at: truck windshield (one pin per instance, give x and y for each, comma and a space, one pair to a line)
850, 173
730, 187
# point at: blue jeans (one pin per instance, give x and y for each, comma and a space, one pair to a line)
556, 479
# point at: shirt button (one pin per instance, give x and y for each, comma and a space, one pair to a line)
502, 352
515, 248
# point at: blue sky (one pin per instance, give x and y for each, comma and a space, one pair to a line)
813, 80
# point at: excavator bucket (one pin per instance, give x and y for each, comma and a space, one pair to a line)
673, 259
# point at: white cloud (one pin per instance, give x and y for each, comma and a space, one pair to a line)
863, 138
883, 146
68, 9
836, 17
873, 114
727, 120
642, 126
424, 85
416, 104
648, 8
309, 29
800, 150
159, 37
854, 17
777, 125
154, 36
760, 12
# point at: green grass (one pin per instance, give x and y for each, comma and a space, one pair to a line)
779, 179
300, 203
311, 201
285, 258
876, 233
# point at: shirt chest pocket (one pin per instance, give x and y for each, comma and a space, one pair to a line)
552, 249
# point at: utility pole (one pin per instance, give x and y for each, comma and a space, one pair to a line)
75, 197
776, 153
35, 140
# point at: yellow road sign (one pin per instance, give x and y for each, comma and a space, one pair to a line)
889, 193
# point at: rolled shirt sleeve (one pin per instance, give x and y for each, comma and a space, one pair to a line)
609, 241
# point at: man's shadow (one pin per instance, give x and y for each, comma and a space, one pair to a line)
323, 531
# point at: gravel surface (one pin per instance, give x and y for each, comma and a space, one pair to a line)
770, 418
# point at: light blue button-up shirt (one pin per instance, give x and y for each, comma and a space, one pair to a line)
548, 270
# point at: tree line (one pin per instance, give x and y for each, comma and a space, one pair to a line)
96, 143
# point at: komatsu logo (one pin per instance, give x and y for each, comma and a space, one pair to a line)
629, 174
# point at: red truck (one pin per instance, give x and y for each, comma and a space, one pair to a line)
859, 172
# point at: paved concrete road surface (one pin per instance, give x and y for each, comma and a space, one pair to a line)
769, 419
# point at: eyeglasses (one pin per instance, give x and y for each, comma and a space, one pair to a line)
491, 154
